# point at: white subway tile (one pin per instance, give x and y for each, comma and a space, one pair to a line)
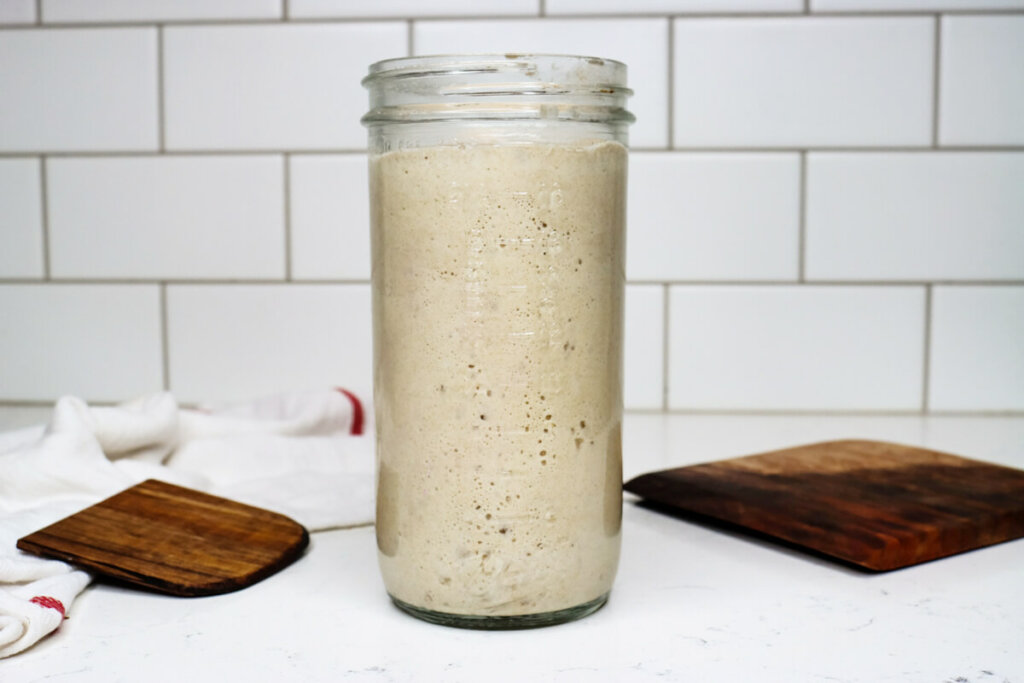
158, 10
99, 342
410, 8
330, 217
911, 5
915, 216
555, 7
641, 43
981, 93
977, 348
644, 378
796, 347
17, 11
705, 216
14, 417
167, 217
78, 90
283, 86
232, 342
21, 223
781, 82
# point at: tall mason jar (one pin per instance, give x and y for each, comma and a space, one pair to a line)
497, 193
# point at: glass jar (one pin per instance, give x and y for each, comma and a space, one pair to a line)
497, 192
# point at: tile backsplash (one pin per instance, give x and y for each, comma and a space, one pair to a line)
79, 90
808, 82
826, 205
166, 217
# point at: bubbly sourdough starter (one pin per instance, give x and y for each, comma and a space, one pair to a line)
498, 282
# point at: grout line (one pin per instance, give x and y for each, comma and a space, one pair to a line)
287, 217
39, 12
927, 363
807, 6
172, 282
883, 14
784, 412
409, 45
44, 216
165, 348
161, 116
786, 14
671, 82
258, 21
1014, 413
264, 21
823, 283
802, 221
867, 149
936, 65
995, 149
364, 281
914, 283
181, 152
664, 346
42, 403
693, 412
542, 9
286, 10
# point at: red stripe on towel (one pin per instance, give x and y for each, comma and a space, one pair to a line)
357, 411
52, 603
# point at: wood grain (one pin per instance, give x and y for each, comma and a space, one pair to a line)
174, 540
877, 505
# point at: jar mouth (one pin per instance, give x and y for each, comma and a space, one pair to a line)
525, 63
486, 86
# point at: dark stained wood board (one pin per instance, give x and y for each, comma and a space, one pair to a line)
174, 540
877, 505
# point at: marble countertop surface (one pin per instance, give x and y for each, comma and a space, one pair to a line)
690, 603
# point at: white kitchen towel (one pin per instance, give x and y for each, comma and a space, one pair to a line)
297, 454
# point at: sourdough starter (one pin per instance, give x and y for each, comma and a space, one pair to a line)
498, 289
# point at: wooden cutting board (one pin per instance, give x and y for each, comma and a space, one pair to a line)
174, 540
877, 505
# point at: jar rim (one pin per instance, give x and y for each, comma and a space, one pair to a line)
472, 58
497, 87
454, 63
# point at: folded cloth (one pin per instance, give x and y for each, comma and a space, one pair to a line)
297, 454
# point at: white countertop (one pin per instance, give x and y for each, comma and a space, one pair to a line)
690, 603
